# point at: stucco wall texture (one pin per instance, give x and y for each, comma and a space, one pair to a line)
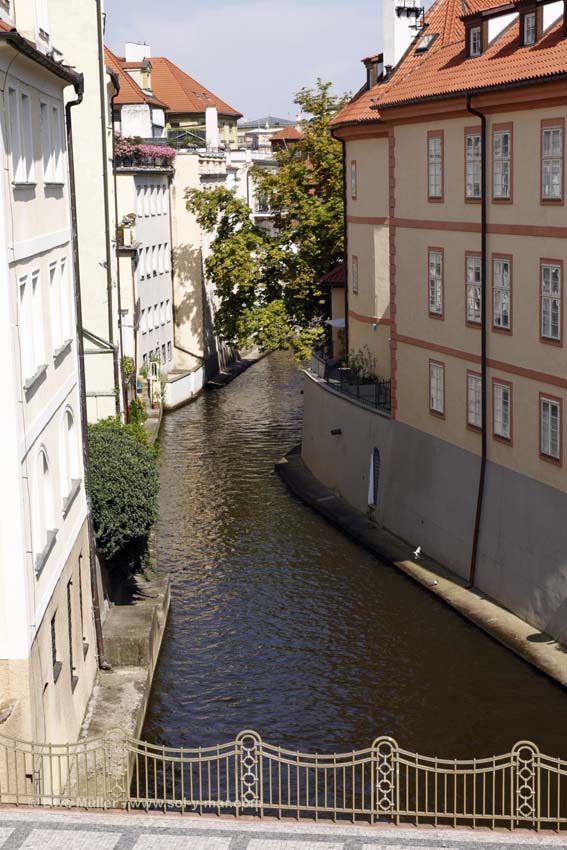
427, 496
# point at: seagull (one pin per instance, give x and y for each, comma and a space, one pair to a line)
417, 553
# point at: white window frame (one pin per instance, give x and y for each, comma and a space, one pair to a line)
55, 299
474, 288
502, 164
473, 166
435, 166
474, 400
551, 301
43, 518
552, 163
502, 416
550, 432
475, 42
143, 321
58, 145
46, 144
530, 28
353, 180
21, 135
69, 451
437, 388
502, 293
354, 274
435, 282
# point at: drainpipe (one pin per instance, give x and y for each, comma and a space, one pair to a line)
345, 227
102, 86
79, 88
116, 84
483, 330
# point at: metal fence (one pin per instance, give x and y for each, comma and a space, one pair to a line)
383, 783
374, 394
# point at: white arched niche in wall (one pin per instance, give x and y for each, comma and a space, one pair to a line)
69, 454
42, 517
374, 478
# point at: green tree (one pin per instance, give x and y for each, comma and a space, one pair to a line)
268, 285
124, 489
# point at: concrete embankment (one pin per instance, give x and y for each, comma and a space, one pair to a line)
538, 648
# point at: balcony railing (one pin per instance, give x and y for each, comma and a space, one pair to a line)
375, 394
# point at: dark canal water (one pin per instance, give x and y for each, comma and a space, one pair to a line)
280, 624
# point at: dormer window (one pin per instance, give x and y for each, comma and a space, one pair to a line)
475, 41
530, 28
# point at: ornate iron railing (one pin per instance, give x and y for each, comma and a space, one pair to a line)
383, 783
375, 394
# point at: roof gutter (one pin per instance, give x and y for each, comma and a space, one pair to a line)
26, 48
484, 345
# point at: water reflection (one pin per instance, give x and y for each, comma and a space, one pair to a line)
280, 624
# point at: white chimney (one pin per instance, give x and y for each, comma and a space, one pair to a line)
396, 28
212, 128
135, 51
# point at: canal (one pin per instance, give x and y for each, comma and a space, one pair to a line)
280, 624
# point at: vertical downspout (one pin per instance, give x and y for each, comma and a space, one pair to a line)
483, 329
102, 85
116, 84
345, 226
79, 88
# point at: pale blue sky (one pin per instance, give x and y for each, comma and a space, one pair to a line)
254, 55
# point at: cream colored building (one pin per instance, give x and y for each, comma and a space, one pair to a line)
459, 300
48, 653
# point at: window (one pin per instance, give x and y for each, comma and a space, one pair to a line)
46, 146
163, 353
55, 304
502, 165
42, 17
143, 321
55, 663
550, 427
146, 200
168, 311
436, 387
374, 478
148, 262
436, 282
502, 396
355, 275
502, 300
139, 201
551, 301
156, 320
74, 678
69, 455
43, 513
164, 200
31, 326
474, 400
153, 199
475, 41
530, 28
474, 291
155, 260
21, 136
57, 141
353, 181
435, 165
162, 313
161, 259
166, 257
552, 164
473, 165
169, 353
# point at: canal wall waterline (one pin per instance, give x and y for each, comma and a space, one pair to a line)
538, 649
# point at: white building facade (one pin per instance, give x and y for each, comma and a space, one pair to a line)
47, 638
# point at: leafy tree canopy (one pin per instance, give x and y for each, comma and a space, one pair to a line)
268, 285
124, 487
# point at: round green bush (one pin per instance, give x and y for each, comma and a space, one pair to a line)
124, 487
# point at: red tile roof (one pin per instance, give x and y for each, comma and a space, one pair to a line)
444, 68
336, 277
182, 93
130, 91
288, 134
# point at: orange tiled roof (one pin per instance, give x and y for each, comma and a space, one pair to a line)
335, 277
288, 134
444, 68
130, 91
182, 93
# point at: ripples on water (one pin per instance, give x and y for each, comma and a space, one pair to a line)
280, 624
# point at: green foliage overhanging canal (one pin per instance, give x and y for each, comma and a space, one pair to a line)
124, 491
268, 285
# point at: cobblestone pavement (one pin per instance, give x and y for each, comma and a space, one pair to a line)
38, 830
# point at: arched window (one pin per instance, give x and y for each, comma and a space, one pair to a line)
42, 521
69, 454
374, 478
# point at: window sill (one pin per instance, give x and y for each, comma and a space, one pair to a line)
68, 500
55, 184
547, 340
555, 461
41, 559
439, 316
499, 330
437, 413
24, 184
35, 379
477, 326
507, 441
473, 200
57, 667
554, 202
63, 349
501, 200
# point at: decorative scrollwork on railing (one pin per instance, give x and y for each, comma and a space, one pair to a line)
525, 760
249, 744
116, 772
385, 750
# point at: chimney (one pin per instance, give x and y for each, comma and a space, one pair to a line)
135, 51
374, 67
212, 128
401, 20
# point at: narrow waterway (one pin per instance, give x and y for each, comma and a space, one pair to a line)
280, 624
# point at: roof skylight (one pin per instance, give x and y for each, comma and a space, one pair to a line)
426, 42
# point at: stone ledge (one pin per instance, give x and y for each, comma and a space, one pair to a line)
546, 654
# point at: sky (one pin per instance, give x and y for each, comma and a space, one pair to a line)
254, 55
